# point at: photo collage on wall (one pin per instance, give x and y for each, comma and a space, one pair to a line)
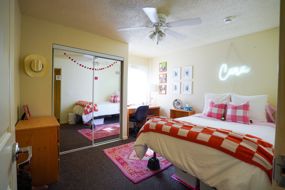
163, 77
182, 80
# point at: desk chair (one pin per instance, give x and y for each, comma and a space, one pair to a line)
139, 118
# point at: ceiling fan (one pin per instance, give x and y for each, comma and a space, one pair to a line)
161, 28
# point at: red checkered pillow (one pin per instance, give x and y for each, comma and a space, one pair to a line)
238, 113
216, 110
115, 99
89, 108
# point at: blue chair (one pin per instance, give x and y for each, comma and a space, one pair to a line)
139, 118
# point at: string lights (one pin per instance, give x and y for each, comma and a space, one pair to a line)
86, 67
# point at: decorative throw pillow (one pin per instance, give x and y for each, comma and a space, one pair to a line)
216, 98
216, 110
89, 108
271, 113
238, 113
257, 104
115, 99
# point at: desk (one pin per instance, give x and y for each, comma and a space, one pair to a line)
42, 134
153, 111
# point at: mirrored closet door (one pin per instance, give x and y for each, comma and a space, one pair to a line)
106, 85
86, 97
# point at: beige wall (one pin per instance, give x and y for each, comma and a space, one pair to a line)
138, 60
38, 37
259, 51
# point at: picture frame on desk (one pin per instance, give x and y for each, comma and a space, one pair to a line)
27, 113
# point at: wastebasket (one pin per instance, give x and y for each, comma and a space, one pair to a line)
71, 118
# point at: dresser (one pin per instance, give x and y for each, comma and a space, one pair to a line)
42, 133
176, 113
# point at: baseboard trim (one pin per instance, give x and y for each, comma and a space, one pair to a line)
90, 146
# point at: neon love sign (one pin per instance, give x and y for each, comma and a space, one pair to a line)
226, 72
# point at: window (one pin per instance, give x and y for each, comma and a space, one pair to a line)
138, 84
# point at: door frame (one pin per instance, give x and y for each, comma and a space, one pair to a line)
57, 92
99, 55
279, 148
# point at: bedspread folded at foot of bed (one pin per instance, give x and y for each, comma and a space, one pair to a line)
244, 147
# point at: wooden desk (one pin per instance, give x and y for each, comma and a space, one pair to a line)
153, 111
42, 134
175, 113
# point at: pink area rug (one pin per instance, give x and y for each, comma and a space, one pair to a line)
176, 178
101, 131
132, 167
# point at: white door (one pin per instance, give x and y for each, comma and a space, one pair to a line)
7, 134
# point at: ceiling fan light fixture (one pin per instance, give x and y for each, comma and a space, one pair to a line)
152, 35
160, 25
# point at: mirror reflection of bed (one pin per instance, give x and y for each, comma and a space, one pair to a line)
86, 98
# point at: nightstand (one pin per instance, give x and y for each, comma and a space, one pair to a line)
175, 113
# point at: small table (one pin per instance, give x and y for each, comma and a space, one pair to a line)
176, 113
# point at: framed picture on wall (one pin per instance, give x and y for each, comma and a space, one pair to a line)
163, 78
176, 88
176, 74
163, 66
162, 88
187, 87
187, 73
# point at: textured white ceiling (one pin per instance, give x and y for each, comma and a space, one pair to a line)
103, 17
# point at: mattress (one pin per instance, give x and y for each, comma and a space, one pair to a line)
211, 166
104, 108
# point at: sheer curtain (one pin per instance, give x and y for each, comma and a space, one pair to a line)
138, 84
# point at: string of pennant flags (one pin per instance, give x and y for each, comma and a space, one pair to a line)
86, 67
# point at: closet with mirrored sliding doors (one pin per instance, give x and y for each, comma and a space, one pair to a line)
86, 97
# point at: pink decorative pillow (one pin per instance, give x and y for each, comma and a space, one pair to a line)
89, 108
82, 103
270, 113
238, 113
115, 99
216, 110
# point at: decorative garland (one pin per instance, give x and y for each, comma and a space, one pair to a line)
86, 67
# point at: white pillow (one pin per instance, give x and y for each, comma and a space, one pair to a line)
257, 106
217, 98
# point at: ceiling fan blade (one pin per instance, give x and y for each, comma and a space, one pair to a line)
133, 28
174, 34
186, 22
152, 14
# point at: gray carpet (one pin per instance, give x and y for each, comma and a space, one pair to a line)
70, 138
92, 169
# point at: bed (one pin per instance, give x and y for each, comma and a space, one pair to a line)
99, 110
213, 167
